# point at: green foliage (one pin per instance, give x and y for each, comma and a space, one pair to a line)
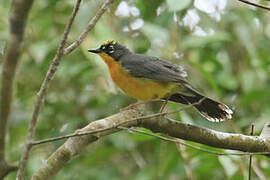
227, 58
175, 5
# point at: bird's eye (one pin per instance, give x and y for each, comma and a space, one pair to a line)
111, 49
102, 47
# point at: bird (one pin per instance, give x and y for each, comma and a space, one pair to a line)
149, 78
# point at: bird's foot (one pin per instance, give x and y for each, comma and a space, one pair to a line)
164, 104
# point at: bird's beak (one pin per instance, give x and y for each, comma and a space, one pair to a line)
96, 51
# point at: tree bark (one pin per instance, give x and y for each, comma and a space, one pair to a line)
134, 117
17, 22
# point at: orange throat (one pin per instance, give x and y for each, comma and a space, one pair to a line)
138, 88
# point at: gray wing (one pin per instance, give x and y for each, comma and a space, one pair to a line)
148, 67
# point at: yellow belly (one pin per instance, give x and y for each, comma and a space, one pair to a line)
138, 88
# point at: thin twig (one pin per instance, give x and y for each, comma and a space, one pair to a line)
37, 142
73, 146
136, 119
60, 52
42, 92
48, 140
175, 140
250, 157
89, 27
255, 4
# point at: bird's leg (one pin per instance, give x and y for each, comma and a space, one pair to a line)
163, 105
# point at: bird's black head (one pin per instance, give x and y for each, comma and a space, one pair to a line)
111, 48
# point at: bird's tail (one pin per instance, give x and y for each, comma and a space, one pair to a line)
210, 109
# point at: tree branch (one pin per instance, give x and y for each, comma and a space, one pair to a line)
181, 142
74, 145
17, 22
6, 169
37, 142
89, 27
255, 4
250, 157
50, 74
42, 91
111, 124
208, 137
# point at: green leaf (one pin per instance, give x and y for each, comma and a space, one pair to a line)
200, 41
258, 95
207, 76
176, 5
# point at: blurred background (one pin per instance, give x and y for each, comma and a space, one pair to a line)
223, 45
